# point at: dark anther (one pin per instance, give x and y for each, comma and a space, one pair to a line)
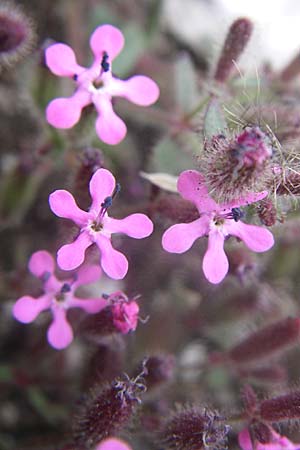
237, 214
104, 62
65, 288
75, 77
45, 277
116, 190
107, 202
105, 296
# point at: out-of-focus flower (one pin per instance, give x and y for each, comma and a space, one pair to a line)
217, 221
96, 226
96, 85
113, 444
58, 297
278, 442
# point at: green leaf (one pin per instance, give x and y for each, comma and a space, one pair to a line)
168, 157
214, 120
186, 90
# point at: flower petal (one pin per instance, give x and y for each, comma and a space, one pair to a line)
41, 262
191, 186
27, 308
109, 127
139, 89
102, 185
71, 256
90, 305
114, 263
60, 333
245, 440
106, 38
180, 237
87, 274
135, 225
215, 262
113, 444
251, 197
65, 112
257, 238
61, 60
63, 204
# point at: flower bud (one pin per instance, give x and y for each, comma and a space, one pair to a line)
16, 34
107, 412
194, 428
235, 166
280, 408
237, 38
266, 342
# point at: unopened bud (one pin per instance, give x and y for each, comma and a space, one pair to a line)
266, 342
280, 408
107, 412
194, 429
234, 167
237, 38
267, 212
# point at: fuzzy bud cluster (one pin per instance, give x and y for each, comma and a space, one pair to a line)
107, 412
194, 428
238, 165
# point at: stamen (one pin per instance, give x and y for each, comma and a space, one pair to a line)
104, 63
75, 77
65, 288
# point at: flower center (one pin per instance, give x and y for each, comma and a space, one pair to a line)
61, 295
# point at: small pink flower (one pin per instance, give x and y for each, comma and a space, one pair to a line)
58, 297
113, 444
278, 442
96, 85
217, 221
96, 226
125, 312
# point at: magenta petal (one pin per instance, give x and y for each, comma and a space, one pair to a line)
87, 274
63, 204
61, 60
215, 262
60, 333
41, 262
102, 185
191, 186
252, 197
27, 308
109, 127
139, 89
106, 38
180, 237
90, 305
65, 112
113, 444
114, 263
136, 225
257, 238
245, 440
71, 256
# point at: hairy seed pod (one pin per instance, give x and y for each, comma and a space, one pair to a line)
280, 408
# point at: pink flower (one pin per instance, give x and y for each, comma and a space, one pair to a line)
113, 444
96, 85
217, 221
58, 297
96, 226
278, 442
125, 312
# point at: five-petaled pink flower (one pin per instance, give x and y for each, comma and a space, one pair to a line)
278, 442
96, 85
113, 444
96, 226
217, 221
58, 297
